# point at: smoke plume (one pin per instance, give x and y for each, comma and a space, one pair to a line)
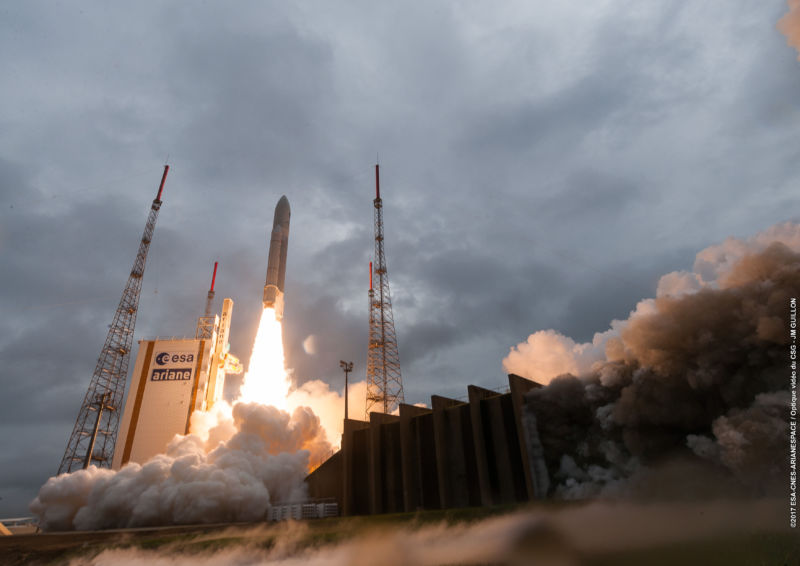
696, 375
328, 405
238, 462
789, 25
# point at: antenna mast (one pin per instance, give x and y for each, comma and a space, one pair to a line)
384, 382
95, 433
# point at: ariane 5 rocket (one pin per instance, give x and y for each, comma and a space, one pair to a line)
276, 263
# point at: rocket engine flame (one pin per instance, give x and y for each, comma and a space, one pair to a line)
266, 381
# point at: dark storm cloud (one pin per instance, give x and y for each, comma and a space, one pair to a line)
616, 284
336, 335
524, 149
591, 193
453, 279
255, 103
553, 124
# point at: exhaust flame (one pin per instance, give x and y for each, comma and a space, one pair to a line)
266, 381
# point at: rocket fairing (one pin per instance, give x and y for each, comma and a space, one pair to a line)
276, 263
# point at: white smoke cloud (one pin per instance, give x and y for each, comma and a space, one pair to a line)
231, 470
547, 354
328, 405
789, 25
310, 345
236, 462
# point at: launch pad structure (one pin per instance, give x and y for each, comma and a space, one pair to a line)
94, 435
172, 378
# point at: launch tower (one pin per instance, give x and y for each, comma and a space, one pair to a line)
95, 432
384, 382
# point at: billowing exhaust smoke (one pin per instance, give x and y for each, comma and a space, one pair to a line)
697, 375
253, 456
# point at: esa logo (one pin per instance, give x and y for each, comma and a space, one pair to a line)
165, 358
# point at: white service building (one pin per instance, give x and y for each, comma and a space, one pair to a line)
171, 379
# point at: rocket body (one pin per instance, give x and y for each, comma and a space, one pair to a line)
276, 262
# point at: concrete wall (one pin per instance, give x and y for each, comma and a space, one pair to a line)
418, 459
456, 454
355, 469
326, 481
385, 468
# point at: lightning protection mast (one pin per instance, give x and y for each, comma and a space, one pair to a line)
95, 433
384, 382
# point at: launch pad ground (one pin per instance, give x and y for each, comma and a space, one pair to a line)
543, 540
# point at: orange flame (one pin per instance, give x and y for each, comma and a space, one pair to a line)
266, 381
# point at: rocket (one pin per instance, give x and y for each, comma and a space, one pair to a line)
276, 263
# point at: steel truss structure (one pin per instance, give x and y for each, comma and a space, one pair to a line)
95, 433
384, 381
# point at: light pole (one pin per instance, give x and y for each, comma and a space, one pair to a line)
347, 367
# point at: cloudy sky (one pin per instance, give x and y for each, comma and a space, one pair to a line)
542, 165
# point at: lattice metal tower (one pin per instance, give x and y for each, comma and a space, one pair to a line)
384, 382
95, 433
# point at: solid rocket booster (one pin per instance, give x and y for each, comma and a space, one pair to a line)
276, 263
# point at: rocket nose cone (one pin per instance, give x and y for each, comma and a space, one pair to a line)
282, 212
